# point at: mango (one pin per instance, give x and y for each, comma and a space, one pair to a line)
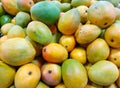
54, 53
40, 11
30, 73
69, 22
97, 50
87, 33
39, 32
51, 74
10, 6
17, 51
25, 5
7, 74
22, 19
76, 3
111, 35
74, 74
104, 14
114, 2
103, 73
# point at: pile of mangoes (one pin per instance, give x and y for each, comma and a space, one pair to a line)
59, 44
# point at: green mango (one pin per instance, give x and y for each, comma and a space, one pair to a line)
103, 73
39, 32
114, 2
74, 74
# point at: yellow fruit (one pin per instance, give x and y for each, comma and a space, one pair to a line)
27, 76
111, 35
74, 74
7, 74
79, 54
102, 14
5, 28
51, 74
68, 42
115, 56
97, 50
25, 5
3, 38
83, 13
69, 22
61, 85
16, 31
54, 52
103, 73
10, 6
87, 33
17, 51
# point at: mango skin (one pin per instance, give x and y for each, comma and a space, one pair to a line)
103, 73
39, 32
7, 74
10, 6
25, 5
74, 74
69, 22
40, 12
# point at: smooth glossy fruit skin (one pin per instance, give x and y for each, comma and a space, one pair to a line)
40, 12
69, 22
25, 5
42, 85
51, 74
76, 3
5, 19
5, 28
17, 51
111, 35
79, 53
27, 76
104, 14
54, 53
10, 6
7, 74
68, 42
114, 2
97, 50
103, 73
39, 32
74, 74
3, 38
115, 56
16, 31
22, 19
87, 33
83, 13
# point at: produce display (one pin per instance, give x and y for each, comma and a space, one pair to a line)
59, 44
